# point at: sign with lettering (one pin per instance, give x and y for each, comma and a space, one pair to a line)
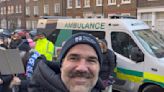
82, 24
98, 25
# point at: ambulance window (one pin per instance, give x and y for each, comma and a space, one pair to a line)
53, 36
123, 44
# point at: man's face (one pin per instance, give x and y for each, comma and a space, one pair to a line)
40, 36
80, 68
1, 41
103, 47
16, 36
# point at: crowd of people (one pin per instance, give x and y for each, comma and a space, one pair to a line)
84, 64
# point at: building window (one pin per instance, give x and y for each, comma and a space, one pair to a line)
160, 21
9, 10
69, 3
9, 24
78, 17
126, 1
3, 23
16, 9
36, 10
146, 17
86, 3
98, 2
125, 14
34, 24
12, 9
1, 11
4, 10
28, 24
19, 23
111, 2
46, 9
78, 3
28, 10
27, 1
57, 8
20, 9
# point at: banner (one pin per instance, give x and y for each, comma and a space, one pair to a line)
10, 62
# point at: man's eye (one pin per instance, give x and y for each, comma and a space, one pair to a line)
92, 60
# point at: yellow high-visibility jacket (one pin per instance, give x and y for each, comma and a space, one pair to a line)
45, 47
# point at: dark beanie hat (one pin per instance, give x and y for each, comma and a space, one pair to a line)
80, 38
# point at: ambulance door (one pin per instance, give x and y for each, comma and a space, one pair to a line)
130, 61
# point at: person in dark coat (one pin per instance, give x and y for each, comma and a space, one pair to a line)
18, 42
109, 63
5, 83
80, 61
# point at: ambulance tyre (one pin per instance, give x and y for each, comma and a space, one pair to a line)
153, 88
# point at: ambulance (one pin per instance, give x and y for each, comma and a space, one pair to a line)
139, 51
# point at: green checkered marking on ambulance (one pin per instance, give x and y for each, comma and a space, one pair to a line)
130, 72
158, 83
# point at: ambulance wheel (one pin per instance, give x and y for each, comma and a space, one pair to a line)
153, 88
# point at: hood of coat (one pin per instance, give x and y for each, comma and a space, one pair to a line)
47, 78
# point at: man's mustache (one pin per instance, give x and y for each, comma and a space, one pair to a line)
81, 74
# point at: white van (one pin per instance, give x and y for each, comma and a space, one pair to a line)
140, 52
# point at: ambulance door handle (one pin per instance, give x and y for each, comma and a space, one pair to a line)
154, 69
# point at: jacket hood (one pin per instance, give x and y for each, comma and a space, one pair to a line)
46, 77
49, 79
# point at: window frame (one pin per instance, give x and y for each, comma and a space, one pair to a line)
69, 4
78, 3
86, 3
27, 10
98, 2
111, 3
57, 8
46, 9
36, 10
125, 2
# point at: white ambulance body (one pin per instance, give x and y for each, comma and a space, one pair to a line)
139, 51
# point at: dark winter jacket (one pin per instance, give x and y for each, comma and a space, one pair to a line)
108, 64
45, 79
21, 44
24, 83
6, 82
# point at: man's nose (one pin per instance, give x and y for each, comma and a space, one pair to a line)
82, 65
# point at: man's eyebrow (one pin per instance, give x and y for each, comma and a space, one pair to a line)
73, 54
93, 57
90, 57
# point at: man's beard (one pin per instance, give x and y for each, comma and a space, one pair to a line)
80, 74
80, 88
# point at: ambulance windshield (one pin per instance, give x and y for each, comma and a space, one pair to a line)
153, 42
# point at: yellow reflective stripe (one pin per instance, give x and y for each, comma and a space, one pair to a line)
154, 77
130, 78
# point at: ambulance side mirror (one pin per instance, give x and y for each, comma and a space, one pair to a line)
137, 55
